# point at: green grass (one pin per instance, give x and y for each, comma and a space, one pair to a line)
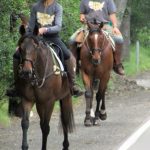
144, 61
4, 118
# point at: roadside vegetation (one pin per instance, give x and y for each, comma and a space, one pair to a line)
131, 66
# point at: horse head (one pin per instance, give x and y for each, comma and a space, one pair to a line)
95, 41
28, 48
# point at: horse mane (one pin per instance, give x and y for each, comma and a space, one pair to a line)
28, 35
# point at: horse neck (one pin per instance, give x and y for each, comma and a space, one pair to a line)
44, 61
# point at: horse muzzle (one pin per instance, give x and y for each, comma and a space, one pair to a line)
96, 61
96, 57
25, 73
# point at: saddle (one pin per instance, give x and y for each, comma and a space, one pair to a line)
58, 58
80, 37
82, 34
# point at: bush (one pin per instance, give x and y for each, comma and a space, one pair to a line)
144, 36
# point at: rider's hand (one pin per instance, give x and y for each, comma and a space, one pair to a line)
116, 31
42, 30
82, 18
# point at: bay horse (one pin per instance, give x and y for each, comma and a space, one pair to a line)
96, 57
38, 84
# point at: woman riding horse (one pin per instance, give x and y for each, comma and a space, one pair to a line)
101, 11
39, 83
48, 15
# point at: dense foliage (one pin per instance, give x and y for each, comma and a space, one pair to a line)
140, 22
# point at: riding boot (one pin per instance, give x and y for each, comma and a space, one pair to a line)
71, 71
118, 67
75, 49
12, 92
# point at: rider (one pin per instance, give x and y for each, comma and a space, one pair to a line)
48, 15
102, 11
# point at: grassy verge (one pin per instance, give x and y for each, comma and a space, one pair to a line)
144, 61
4, 118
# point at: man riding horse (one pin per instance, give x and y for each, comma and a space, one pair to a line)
48, 15
101, 11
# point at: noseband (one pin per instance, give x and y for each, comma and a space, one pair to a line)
26, 59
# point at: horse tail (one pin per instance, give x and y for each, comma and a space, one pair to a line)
67, 117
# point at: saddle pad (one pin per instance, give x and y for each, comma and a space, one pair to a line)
61, 67
107, 35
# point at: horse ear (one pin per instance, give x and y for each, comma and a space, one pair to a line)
36, 30
22, 30
101, 25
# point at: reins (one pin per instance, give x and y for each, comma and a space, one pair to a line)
46, 67
45, 76
35, 81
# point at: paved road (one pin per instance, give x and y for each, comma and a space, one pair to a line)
127, 111
139, 140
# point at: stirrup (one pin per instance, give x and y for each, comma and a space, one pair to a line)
64, 73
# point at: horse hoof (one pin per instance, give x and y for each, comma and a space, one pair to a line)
103, 116
25, 147
96, 122
88, 122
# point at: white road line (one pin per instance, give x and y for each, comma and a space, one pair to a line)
134, 137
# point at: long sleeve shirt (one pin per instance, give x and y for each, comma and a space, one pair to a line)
50, 17
97, 9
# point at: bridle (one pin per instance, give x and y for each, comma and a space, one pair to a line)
100, 49
35, 80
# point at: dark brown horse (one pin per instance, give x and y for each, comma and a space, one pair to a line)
38, 84
96, 57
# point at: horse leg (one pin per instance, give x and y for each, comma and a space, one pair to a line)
89, 98
67, 119
27, 106
45, 111
102, 113
100, 97
98, 100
